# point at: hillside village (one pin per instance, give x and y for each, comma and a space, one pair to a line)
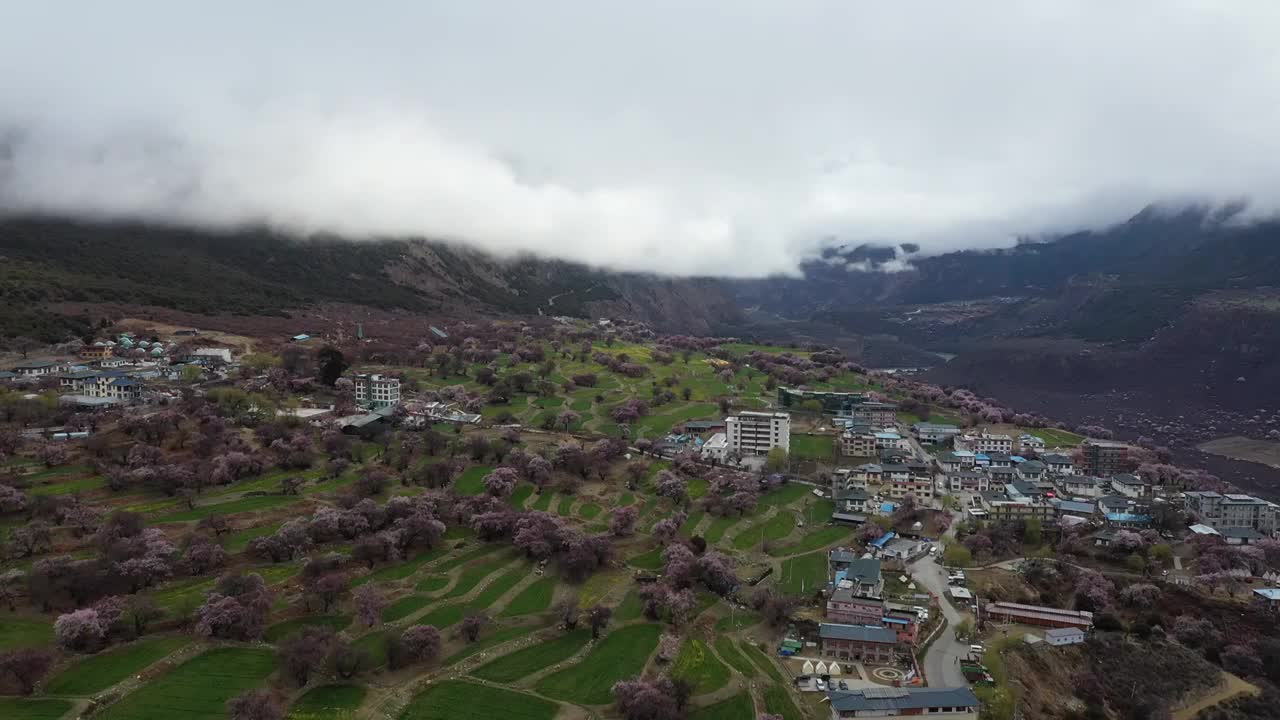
587, 519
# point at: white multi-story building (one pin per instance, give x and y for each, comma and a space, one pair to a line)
377, 390
1225, 510
717, 448
756, 433
985, 443
115, 388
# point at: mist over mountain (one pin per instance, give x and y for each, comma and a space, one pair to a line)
731, 140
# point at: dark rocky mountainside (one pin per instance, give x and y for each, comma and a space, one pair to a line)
256, 272
1183, 299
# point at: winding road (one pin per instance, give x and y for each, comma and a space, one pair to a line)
941, 663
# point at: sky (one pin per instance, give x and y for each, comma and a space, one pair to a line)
710, 137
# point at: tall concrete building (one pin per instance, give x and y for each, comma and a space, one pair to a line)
756, 433
377, 391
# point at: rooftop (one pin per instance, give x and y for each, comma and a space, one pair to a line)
1272, 594
1241, 533
1062, 632
857, 633
36, 365
891, 699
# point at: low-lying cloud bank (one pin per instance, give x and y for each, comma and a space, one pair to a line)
723, 138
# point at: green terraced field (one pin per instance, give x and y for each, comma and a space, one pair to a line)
197, 689
233, 507
737, 707
489, 639
21, 633
460, 700
328, 702
471, 482
282, 630
700, 667
730, 653
774, 528
402, 570
99, 672
778, 701
404, 607
622, 654
472, 575
539, 656
762, 661
803, 574
533, 599
814, 540
33, 708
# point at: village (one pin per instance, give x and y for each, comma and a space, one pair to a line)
774, 528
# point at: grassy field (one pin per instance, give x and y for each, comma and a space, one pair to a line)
700, 667
472, 575
658, 425
489, 639
774, 528
716, 530
99, 672
622, 654
538, 656
648, 560
762, 661
498, 587
803, 574
328, 702
405, 606
813, 540
1054, 437
33, 709
778, 702
197, 689
443, 616
431, 583
20, 633
233, 507
460, 700
735, 708
520, 495
478, 552
69, 487
812, 447
737, 621
785, 495
237, 541
691, 523
282, 630
471, 481
533, 599
403, 570
730, 653
630, 608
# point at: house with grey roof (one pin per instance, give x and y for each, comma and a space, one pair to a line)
1059, 464
863, 643
37, 368
958, 703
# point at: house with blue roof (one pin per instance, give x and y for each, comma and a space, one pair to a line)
1268, 598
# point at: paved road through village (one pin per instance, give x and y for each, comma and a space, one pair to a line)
941, 664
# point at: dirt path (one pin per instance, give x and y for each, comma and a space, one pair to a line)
1232, 686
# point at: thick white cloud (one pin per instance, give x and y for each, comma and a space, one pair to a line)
726, 138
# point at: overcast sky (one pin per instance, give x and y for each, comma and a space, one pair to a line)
726, 137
